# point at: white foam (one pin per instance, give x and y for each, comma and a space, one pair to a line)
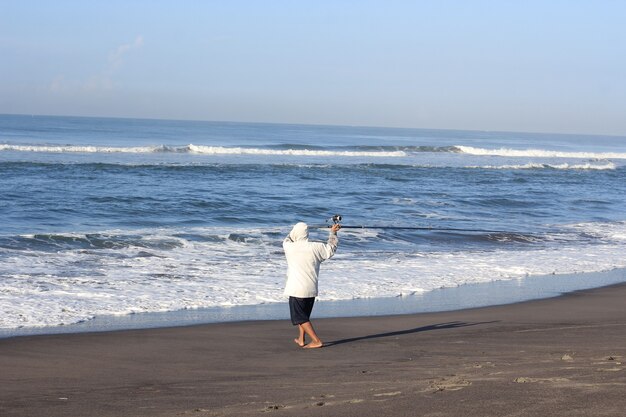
220, 150
67, 286
540, 153
533, 165
198, 149
81, 149
611, 232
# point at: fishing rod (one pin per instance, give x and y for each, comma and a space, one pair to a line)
336, 219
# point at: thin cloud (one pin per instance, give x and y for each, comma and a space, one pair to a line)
116, 58
102, 81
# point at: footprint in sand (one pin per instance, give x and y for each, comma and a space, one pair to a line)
525, 380
274, 407
609, 360
612, 361
453, 383
388, 394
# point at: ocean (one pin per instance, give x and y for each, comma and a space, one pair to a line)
106, 216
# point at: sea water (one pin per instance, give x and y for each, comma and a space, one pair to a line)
116, 216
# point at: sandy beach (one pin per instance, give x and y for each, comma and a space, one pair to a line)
447, 179
559, 356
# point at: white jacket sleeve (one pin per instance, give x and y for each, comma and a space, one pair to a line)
328, 249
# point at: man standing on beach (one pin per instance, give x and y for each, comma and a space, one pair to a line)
303, 267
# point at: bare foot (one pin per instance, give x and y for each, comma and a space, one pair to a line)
314, 345
299, 342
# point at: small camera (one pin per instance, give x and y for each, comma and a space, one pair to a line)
336, 218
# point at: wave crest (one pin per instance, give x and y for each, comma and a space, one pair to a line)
586, 166
220, 150
540, 153
317, 151
202, 149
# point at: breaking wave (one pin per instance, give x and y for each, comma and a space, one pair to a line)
539, 153
312, 150
586, 166
202, 149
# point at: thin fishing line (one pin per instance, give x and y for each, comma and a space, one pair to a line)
336, 219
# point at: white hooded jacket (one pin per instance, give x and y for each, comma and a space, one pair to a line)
304, 259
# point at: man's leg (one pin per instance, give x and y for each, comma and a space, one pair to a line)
300, 339
315, 341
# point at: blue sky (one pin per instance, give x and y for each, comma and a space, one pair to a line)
541, 66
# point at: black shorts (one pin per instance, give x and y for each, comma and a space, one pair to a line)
300, 309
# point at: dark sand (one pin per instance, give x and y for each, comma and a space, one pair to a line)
556, 357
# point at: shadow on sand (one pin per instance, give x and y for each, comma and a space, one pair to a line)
440, 326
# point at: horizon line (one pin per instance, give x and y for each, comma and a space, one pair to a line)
622, 136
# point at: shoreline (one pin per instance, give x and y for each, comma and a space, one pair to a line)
561, 356
466, 296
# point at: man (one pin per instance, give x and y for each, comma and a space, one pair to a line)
303, 267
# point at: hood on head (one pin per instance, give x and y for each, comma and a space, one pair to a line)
299, 232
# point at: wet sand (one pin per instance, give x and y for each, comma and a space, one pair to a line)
562, 356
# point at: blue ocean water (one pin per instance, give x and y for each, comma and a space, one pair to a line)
113, 216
